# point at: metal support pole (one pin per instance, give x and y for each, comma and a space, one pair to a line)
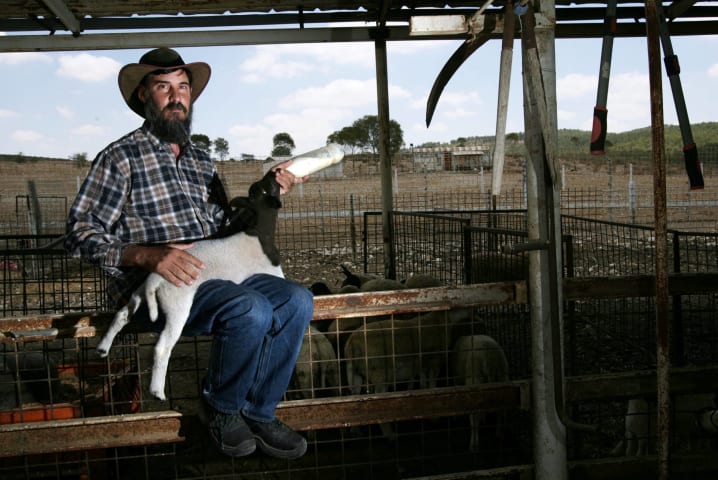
660, 216
387, 198
543, 210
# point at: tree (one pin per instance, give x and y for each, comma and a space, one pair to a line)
351, 137
201, 140
283, 145
80, 159
364, 135
221, 148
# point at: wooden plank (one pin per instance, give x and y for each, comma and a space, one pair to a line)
89, 324
637, 285
639, 383
400, 406
89, 433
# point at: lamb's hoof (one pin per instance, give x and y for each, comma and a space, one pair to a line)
101, 352
158, 395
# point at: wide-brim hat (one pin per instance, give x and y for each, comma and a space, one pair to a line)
131, 75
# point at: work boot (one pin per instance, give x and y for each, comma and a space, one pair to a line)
228, 431
278, 440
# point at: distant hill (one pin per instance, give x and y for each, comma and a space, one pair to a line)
575, 143
705, 135
571, 142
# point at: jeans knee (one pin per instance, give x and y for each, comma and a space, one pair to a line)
301, 299
251, 312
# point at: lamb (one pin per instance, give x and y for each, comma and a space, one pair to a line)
249, 229
641, 430
478, 359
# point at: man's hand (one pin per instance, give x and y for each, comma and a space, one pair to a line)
286, 179
172, 261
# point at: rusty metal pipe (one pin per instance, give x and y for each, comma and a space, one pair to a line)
661, 266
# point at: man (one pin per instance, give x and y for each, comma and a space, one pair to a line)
146, 197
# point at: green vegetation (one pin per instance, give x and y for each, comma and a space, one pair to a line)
363, 135
283, 145
634, 143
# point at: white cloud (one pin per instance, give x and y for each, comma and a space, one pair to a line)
338, 93
88, 68
324, 55
628, 102
88, 131
17, 58
577, 85
292, 61
713, 70
65, 112
26, 136
309, 127
4, 113
270, 64
565, 115
457, 98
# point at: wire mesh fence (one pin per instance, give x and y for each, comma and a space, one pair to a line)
450, 236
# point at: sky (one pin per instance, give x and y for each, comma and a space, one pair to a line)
59, 104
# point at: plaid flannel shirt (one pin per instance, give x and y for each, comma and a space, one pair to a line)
137, 192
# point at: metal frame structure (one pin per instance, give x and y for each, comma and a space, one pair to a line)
50, 25
155, 22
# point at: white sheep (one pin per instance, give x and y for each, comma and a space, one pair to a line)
254, 251
478, 359
389, 353
316, 372
641, 427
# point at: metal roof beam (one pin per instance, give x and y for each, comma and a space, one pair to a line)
117, 41
67, 18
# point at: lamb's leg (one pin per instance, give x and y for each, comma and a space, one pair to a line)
121, 318
176, 317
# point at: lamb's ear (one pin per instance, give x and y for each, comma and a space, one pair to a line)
239, 202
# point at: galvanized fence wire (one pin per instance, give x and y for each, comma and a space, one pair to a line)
41, 279
442, 235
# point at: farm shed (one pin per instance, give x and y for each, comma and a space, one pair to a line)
429, 159
544, 289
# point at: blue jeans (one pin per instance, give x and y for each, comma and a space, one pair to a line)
257, 328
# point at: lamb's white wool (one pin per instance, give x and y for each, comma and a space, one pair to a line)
235, 258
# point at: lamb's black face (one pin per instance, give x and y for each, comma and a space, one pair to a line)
266, 187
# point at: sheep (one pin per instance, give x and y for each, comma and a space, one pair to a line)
355, 279
248, 230
316, 370
339, 330
398, 352
478, 359
381, 285
421, 280
641, 430
320, 288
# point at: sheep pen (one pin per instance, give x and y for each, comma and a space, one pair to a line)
602, 336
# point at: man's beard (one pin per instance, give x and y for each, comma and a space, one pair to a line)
168, 129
